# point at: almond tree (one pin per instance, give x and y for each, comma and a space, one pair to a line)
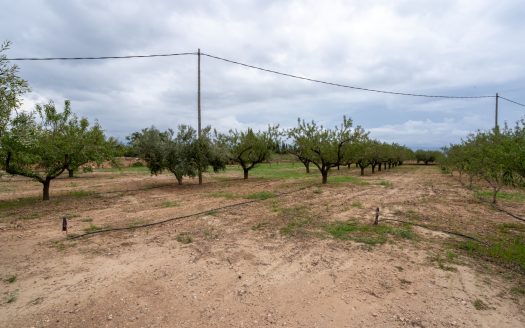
37, 144
248, 148
323, 147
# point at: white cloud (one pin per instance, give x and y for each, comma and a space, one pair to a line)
466, 47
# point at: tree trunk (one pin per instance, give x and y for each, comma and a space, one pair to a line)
379, 167
325, 176
307, 166
70, 173
362, 171
349, 165
46, 183
245, 173
338, 168
373, 168
200, 177
389, 166
179, 180
494, 194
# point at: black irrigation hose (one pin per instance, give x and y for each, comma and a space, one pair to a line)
180, 217
433, 228
508, 213
482, 201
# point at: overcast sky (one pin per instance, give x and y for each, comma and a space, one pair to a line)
441, 47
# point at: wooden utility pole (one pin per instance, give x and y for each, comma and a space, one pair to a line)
496, 123
199, 103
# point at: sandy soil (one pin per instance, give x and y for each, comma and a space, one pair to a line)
240, 270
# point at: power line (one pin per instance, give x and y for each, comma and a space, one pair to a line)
100, 58
512, 101
261, 69
344, 85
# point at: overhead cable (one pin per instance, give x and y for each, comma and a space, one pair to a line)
101, 58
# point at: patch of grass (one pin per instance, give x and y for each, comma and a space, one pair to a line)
224, 194
10, 279
386, 184
517, 196
317, 191
409, 214
366, 233
518, 290
31, 216
12, 297
260, 225
86, 219
210, 234
19, 202
92, 228
262, 195
298, 220
480, 305
357, 205
279, 171
184, 238
58, 244
347, 179
443, 262
169, 203
80, 193
507, 251
212, 213
135, 223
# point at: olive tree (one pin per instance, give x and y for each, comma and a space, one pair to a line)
183, 153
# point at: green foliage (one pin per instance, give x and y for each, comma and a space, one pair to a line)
428, 156
248, 148
42, 144
494, 156
262, 195
12, 87
92, 228
367, 234
11, 279
480, 305
321, 146
184, 238
509, 251
183, 154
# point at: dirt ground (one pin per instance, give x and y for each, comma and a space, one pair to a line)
239, 266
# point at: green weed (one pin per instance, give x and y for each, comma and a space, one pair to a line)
517, 196
169, 203
357, 205
480, 305
347, 179
366, 233
92, 228
11, 279
12, 296
508, 251
184, 238
135, 223
262, 195
80, 193
386, 184
224, 194
260, 225
86, 219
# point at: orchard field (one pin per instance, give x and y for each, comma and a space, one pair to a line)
290, 251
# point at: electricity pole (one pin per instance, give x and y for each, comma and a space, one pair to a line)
496, 122
199, 103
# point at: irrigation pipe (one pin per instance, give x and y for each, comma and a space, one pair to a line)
181, 217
